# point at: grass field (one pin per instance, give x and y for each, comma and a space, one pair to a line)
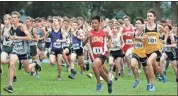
81, 85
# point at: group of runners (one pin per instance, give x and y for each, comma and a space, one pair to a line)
149, 45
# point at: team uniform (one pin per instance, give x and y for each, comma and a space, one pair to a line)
48, 39
20, 47
139, 54
33, 45
115, 50
153, 44
7, 44
77, 46
127, 39
170, 51
67, 44
56, 47
40, 42
139, 51
97, 46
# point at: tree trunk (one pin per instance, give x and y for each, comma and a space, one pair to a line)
174, 12
156, 7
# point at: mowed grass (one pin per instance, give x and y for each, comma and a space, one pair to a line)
81, 85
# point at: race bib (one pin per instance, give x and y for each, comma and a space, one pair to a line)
129, 41
139, 45
168, 49
76, 46
30, 42
152, 40
97, 50
7, 43
48, 39
57, 45
18, 46
66, 44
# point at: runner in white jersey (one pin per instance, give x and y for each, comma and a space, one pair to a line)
115, 51
6, 42
47, 39
65, 30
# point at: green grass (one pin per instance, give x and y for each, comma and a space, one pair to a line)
82, 85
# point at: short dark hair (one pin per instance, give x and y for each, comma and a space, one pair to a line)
38, 19
163, 21
29, 18
43, 18
169, 26
126, 17
152, 11
141, 19
80, 18
96, 18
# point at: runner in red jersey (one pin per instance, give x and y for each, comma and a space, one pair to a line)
98, 51
127, 31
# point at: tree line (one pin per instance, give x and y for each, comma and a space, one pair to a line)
87, 9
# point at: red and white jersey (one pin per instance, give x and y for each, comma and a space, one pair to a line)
127, 38
97, 44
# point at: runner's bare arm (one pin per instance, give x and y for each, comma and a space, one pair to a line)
88, 36
81, 36
27, 35
64, 38
120, 31
44, 33
162, 29
139, 37
173, 44
35, 35
108, 34
122, 40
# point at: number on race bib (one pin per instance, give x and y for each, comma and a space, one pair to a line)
7, 43
66, 44
48, 40
129, 41
76, 46
97, 50
18, 46
57, 45
139, 45
152, 40
168, 49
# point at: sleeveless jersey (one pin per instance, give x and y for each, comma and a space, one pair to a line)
68, 40
20, 46
116, 43
139, 48
97, 44
48, 39
127, 39
153, 42
54, 37
31, 42
76, 43
6, 42
40, 34
170, 49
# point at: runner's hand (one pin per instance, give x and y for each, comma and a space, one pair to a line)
89, 35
